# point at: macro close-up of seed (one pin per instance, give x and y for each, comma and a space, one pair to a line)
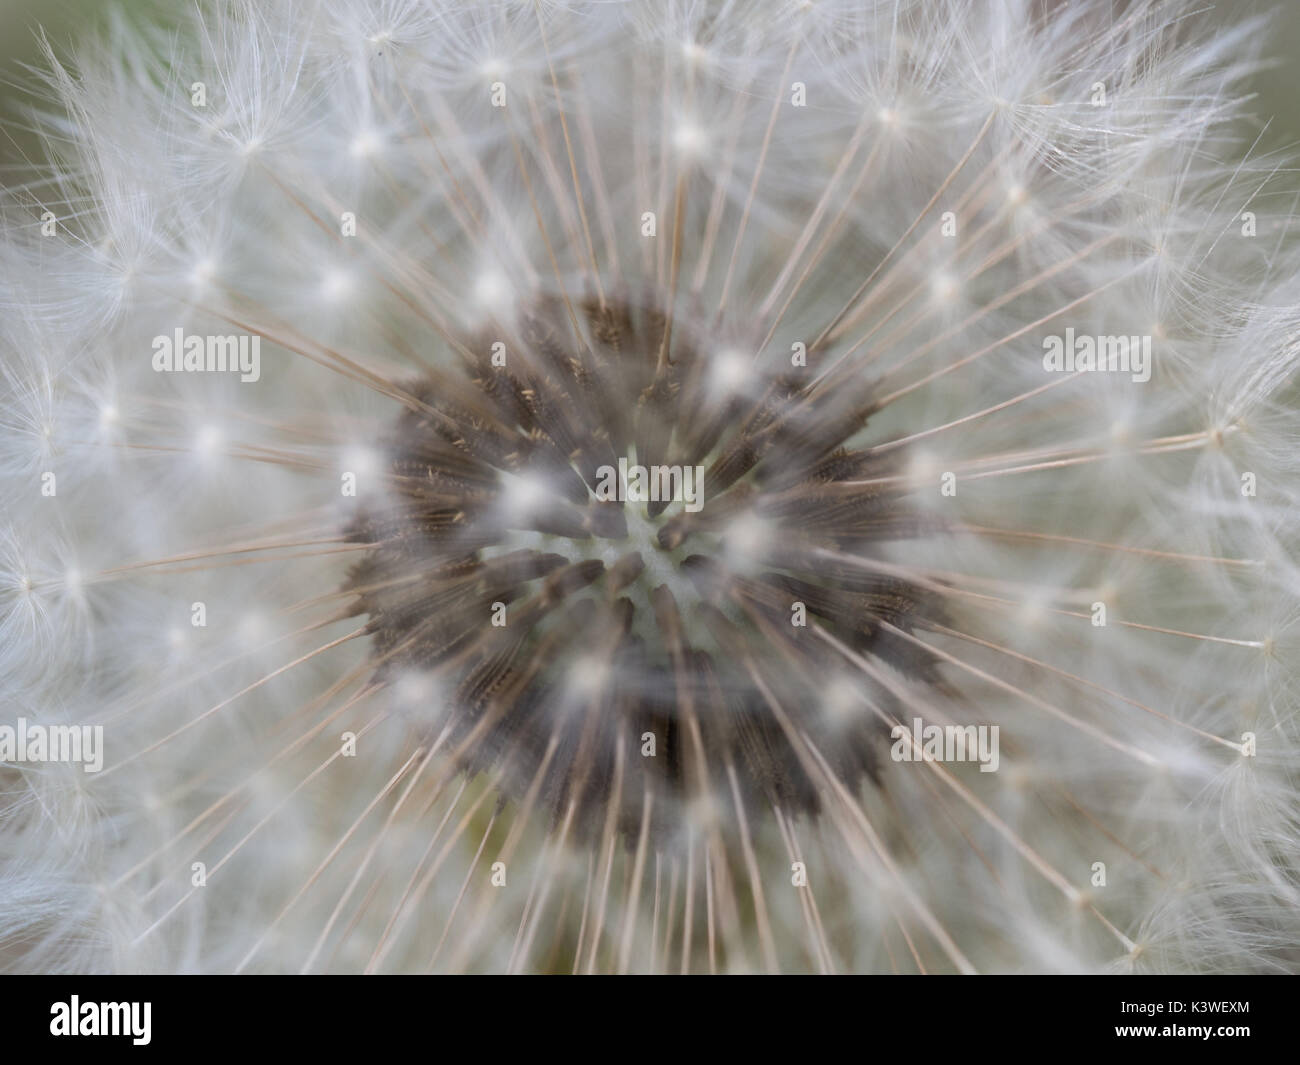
664, 486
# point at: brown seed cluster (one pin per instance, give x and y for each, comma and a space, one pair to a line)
623, 664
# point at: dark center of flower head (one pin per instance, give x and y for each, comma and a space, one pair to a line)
638, 570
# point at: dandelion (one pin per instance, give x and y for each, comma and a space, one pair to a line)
653, 487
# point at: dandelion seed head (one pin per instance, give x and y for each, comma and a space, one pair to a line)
367, 626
